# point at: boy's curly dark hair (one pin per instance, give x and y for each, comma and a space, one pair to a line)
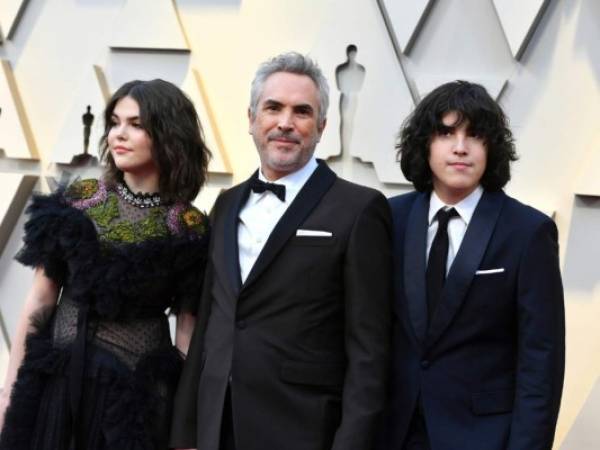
485, 118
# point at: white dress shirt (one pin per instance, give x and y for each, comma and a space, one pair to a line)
457, 226
260, 214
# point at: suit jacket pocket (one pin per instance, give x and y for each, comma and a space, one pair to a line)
493, 402
313, 240
313, 374
489, 293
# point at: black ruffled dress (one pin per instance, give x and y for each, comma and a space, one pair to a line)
100, 370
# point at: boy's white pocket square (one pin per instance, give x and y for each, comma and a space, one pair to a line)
301, 232
489, 271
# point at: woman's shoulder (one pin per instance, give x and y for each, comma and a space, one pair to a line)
83, 189
83, 194
64, 198
186, 219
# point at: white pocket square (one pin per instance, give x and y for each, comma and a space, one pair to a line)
301, 232
489, 271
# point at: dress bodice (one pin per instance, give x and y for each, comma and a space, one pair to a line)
122, 260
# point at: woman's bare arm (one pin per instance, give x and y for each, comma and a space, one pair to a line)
183, 331
43, 293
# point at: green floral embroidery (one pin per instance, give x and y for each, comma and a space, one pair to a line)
82, 189
120, 232
105, 212
194, 220
151, 227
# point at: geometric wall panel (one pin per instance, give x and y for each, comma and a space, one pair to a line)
584, 435
589, 180
84, 122
124, 66
207, 197
579, 413
380, 90
461, 39
10, 14
4, 351
580, 247
15, 192
16, 138
426, 83
149, 25
194, 88
406, 18
519, 20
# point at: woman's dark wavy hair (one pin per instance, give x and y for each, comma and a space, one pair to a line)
485, 118
178, 147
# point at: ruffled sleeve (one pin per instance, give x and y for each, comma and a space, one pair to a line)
42, 244
190, 259
54, 233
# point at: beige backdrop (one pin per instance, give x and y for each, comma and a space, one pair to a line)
540, 57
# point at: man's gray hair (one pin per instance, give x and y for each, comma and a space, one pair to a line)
291, 62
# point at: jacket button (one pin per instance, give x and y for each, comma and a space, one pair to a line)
425, 364
240, 324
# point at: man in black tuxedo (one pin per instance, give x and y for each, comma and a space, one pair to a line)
478, 346
292, 341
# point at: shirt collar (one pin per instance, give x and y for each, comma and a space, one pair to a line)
295, 180
465, 208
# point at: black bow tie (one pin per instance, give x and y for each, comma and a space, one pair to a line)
260, 186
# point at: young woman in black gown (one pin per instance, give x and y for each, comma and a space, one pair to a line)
92, 364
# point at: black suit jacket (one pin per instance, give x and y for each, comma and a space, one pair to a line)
489, 368
304, 342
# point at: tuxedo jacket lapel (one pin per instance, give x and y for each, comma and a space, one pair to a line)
306, 200
228, 261
415, 245
466, 262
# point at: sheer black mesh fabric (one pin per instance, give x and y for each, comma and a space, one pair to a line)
64, 327
131, 213
132, 339
128, 340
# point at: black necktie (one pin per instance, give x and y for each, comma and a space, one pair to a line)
260, 186
438, 257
